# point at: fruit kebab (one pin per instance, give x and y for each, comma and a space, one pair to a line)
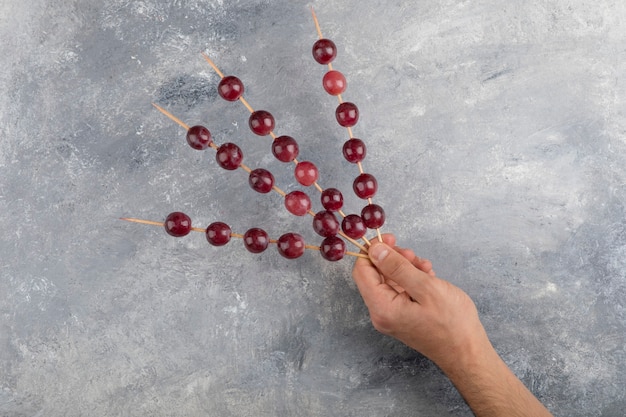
347, 114
255, 240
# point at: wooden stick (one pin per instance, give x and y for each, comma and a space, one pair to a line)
317, 24
235, 235
153, 223
215, 68
171, 116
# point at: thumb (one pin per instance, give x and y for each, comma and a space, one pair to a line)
392, 265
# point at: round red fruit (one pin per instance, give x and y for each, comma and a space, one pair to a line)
373, 216
365, 186
354, 150
229, 156
261, 180
324, 51
256, 240
306, 173
261, 122
285, 148
291, 245
199, 137
297, 203
218, 234
333, 248
230, 88
177, 224
332, 199
325, 224
334, 83
353, 226
347, 114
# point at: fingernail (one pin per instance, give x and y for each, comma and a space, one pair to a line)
379, 252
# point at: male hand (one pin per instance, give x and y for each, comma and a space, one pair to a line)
407, 301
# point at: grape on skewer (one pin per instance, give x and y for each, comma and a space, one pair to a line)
325, 224
353, 226
261, 180
285, 148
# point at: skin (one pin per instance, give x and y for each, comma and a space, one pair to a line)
406, 300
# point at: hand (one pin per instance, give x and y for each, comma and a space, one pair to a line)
407, 301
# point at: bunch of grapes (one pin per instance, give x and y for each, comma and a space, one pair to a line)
229, 156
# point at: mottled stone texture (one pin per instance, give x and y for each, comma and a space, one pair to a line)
496, 129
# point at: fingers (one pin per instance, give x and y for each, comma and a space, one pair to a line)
420, 263
396, 267
424, 265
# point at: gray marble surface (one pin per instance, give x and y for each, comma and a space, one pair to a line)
497, 130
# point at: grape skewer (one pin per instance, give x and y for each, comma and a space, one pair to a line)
234, 235
334, 83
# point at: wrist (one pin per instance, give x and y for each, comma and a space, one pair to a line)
474, 358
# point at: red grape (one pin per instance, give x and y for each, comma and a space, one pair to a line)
306, 173
353, 226
324, 51
325, 224
199, 137
229, 156
332, 199
177, 224
373, 216
256, 240
218, 233
365, 186
261, 122
291, 245
297, 203
333, 248
354, 150
285, 148
347, 114
334, 83
261, 180
230, 88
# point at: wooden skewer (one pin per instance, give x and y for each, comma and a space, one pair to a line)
171, 116
248, 170
317, 23
153, 223
235, 235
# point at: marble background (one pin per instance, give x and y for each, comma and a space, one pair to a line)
496, 129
